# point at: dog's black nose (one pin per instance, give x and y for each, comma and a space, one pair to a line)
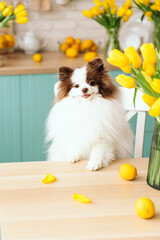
84, 90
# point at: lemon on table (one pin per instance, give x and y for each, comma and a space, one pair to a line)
88, 43
90, 56
93, 48
3, 42
72, 52
145, 207
10, 40
37, 57
127, 172
70, 40
81, 198
64, 46
78, 41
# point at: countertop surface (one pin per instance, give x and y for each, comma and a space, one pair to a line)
32, 210
19, 63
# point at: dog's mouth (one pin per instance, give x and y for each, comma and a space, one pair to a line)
86, 95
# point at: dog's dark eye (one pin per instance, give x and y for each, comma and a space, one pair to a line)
92, 83
76, 86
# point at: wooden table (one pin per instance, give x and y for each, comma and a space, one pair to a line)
31, 210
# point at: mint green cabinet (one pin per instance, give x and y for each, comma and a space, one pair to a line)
25, 101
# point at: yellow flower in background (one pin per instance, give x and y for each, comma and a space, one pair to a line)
148, 68
148, 14
22, 14
105, 5
7, 11
121, 11
149, 100
2, 6
118, 59
87, 13
148, 53
155, 84
128, 3
113, 11
147, 77
126, 81
22, 20
127, 69
154, 7
96, 11
145, 2
98, 3
19, 9
154, 111
125, 18
133, 56
129, 12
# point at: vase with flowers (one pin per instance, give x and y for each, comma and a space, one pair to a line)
151, 9
146, 78
107, 14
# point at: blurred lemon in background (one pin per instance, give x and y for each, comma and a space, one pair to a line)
37, 57
72, 52
10, 40
70, 40
64, 46
3, 43
90, 56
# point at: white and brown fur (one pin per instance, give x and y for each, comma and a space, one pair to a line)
87, 120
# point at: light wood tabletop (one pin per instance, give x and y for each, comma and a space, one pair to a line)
32, 210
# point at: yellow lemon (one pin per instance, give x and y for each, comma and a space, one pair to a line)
3, 42
93, 48
10, 40
49, 178
88, 43
70, 40
127, 172
76, 46
37, 57
72, 52
78, 41
81, 198
145, 207
64, 46
89, 56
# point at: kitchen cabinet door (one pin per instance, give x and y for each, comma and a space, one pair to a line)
37, 94
10, 119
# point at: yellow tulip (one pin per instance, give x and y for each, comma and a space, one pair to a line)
148, 53
128, 3
127, 69
19, 9
126, 81
7, 11
113, 11
22, 14
149, 100
98, 3
148, 14
133, 56
125, 18
118, 59
129, 12
2, 6
121, 11
105, 5
155, 84
154, 111
87, 13
148, 68
95, 11
22, 20
147, 77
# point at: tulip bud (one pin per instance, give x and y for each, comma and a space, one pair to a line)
154, 111
126, 81
125, 18
22, 20
121, 11
87, 13
22, 14
148, 68
98, 3
2, 6
155, 84
118, 59
148, 53
149, 100
7, 11
19, 9
133, 56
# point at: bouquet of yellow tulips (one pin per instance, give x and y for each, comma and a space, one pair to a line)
8, 14
146, 78
151, 9
107, 14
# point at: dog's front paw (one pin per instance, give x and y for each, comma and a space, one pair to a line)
94, 165
73, 159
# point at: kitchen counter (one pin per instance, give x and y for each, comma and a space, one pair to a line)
33, 210
19, 63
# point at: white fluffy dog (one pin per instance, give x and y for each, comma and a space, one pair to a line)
87, 120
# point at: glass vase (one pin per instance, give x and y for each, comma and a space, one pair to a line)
153, 175
156, 34
112, 41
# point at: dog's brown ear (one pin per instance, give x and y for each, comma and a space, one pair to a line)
65, 73
96, 64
